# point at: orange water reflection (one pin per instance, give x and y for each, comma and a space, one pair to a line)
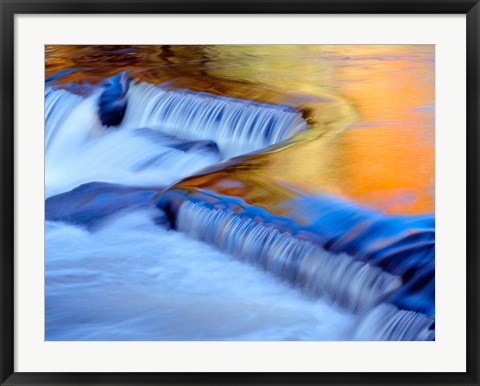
373, 106
389, 157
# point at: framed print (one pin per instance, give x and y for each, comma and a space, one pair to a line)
241, 193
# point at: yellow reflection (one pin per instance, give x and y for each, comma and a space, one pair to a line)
371, 109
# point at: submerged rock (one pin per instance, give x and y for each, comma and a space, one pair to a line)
185, 145
112, 103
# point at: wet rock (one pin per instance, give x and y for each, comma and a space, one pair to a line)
90, 204
112, 103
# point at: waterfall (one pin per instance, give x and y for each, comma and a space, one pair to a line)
237, 126
58, 105
388, 322
376, 266
137, 139
140, 134
79, 149
349, 283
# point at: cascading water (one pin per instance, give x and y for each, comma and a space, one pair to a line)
380, 267
107, 242
352, 284
388, 322
58, 105
237, 126
79, 149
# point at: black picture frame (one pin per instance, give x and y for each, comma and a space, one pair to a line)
10, 8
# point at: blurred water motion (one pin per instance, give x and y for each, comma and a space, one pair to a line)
313, 164
387, 92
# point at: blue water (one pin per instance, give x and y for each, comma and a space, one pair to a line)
133, 280
121, 265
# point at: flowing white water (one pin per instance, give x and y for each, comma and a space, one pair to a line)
58, 105
132, 280
79, 149
83, 151
237, 126
352, 284
387, 322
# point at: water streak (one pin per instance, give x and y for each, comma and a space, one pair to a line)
79, 149
140, 135
133, 280
358, 259
237, 126
387, 322
352, 284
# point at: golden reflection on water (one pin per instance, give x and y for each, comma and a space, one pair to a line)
371, 106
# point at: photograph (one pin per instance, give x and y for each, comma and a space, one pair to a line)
240, 192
